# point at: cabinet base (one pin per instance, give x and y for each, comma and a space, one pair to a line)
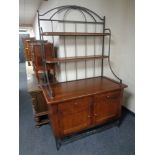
85, 133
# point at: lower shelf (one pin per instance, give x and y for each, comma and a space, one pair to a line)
42, 123
41, 120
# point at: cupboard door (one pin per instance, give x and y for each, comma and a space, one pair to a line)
74, 115
107, 106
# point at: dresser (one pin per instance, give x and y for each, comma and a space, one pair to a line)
39, 105
83, 104
82, 97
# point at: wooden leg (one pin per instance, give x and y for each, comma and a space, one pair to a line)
118, 123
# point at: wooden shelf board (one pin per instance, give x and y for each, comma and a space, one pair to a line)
78, 58
80, 88
73, 34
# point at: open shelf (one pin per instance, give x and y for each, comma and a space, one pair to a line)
77, 58
84, 87
73, 34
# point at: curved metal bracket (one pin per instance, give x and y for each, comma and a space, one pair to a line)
107, 29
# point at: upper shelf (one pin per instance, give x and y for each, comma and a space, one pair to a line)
77, 58
73, 34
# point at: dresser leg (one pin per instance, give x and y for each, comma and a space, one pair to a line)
118, 123
58, 143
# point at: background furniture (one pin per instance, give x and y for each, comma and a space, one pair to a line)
81, 104
27, 49
39, 105
38, 62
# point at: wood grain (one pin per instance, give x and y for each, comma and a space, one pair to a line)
76, 89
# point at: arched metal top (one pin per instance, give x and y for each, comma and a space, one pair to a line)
59, 9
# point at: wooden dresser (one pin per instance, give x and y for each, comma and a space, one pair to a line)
83, 104
78, 103
39, 105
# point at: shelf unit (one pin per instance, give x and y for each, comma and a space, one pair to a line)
81, 104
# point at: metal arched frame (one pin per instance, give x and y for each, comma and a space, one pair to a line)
96, 19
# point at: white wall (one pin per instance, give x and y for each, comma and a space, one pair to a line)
29, 31
120, 19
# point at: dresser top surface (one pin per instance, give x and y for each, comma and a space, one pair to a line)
80, 88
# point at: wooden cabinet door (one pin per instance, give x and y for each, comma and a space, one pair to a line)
107, 106
74, 115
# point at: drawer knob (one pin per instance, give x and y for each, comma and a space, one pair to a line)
111, 97
75, 103
95, 114
89, 116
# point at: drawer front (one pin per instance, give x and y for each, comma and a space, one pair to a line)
74, 115
107, 106
74, 106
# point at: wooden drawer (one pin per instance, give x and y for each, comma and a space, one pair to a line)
74, 106
112, 97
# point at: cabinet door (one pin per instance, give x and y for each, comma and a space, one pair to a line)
74, 115
107, 106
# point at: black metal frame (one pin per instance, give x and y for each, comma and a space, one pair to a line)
84, 11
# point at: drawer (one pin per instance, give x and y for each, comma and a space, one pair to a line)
74, 106
108, 96
113, 96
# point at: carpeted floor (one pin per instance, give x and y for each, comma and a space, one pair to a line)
40, 141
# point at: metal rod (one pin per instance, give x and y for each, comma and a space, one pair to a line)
41, 45
65, 42
94, 49
69, 21
45, 67
76, 50
86, 51
52, 38
103, 48
54, 73
43, 61
85, 22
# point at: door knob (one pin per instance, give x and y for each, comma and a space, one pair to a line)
75, 103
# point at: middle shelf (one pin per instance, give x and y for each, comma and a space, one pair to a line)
76, 58
74, 34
